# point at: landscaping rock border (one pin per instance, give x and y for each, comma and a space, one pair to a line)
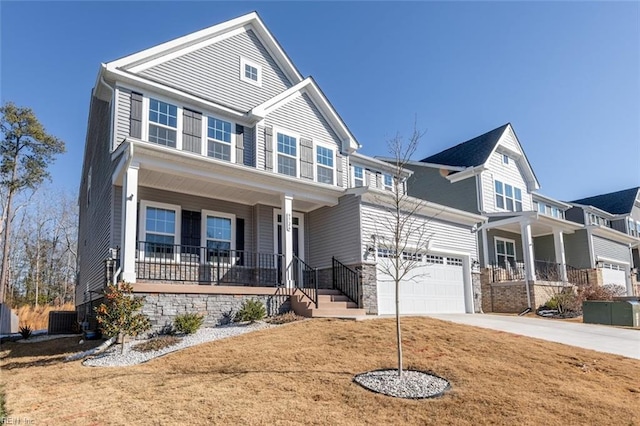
414, 384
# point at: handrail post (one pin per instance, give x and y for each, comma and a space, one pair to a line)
315, 271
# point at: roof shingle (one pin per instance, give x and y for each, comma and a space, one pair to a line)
619, 202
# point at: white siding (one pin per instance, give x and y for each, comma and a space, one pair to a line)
509, 141
303, 117
335, 231
213, 72
505, 173
264, 225
444, 235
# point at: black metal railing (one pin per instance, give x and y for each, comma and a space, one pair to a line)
545, 271
346, 280
206, 265
305, 278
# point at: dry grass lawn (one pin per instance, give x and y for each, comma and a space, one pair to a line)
302, 373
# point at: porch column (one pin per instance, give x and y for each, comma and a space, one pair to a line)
129, 221
485, 248
558, 243
527, 251
287, 238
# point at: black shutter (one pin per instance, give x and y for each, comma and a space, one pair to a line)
240, 241
135, 115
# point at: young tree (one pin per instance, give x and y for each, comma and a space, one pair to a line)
402, 233
26, 150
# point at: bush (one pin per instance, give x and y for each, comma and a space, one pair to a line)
597, 292
251, 311
188, 323
284, 318
157, 343
25, 331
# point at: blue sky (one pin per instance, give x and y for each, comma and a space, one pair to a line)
566, 75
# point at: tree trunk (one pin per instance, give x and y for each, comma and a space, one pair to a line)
398, 334
4, 274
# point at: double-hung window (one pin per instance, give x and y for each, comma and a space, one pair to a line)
163, 123
358, 176
159, 231
324, 165
218, 139
508, 197
388, 182
287, 154
218, 236
505, 252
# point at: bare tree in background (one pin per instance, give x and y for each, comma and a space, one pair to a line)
402, 234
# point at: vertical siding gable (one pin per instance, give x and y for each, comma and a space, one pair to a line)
213, 72
302, 116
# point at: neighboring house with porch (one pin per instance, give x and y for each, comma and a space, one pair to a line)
528, 248
215, 172
605, 217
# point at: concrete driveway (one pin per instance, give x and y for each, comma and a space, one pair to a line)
619, 341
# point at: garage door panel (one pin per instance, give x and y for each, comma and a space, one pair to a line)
432, 288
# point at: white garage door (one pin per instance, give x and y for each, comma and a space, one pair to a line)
613, 274
436, 287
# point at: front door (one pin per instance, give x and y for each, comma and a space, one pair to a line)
297, 236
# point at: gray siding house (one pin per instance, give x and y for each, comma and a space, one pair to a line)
532, 244
215, 172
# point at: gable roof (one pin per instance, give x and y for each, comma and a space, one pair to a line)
619, 202
471, 153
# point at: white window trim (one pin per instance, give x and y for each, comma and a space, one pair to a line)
505, 240
203, 231
286, 132
384, 184
142, 226
300, 217
505, 197
505, 159
352, 170
316, 164
245, 61
206, 138
146, 122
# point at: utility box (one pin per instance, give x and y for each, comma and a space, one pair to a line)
624, 311
63, 322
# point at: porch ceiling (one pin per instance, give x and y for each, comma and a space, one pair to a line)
178, 171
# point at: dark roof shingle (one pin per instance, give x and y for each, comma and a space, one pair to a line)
619, 202
471, 153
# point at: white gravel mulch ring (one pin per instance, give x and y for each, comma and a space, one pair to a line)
413, 384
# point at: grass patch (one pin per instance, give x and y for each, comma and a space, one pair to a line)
3, 409
156, 343
303, 373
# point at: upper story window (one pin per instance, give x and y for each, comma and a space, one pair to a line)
633, 229
597, 220
505, 159
387, 180
218, 138
358, 176
250, 71
324, 161
508, 197
287, 151
163, 123
637, 229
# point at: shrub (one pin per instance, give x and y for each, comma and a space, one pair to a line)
227, 317
597, 292
188, 323
25, 331
284, 318
157, 343
118, 315
251, 310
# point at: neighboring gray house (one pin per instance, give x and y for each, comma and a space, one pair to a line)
528, 241
605, 215
221, 173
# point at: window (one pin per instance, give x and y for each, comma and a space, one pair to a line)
508, 197
287, 155
597, 220
632, 228
499, 195
637, 229
388, 182
505, 252
542, 208
556, 212
412, 256
431, 259
251, 72
218, 139
324, 165
358, 176
218, 236
505, 159
455, 261
163, 122
159, 230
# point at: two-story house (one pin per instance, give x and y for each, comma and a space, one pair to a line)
215, 172
607, 215
528, 248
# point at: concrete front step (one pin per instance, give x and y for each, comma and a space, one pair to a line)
331, 304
